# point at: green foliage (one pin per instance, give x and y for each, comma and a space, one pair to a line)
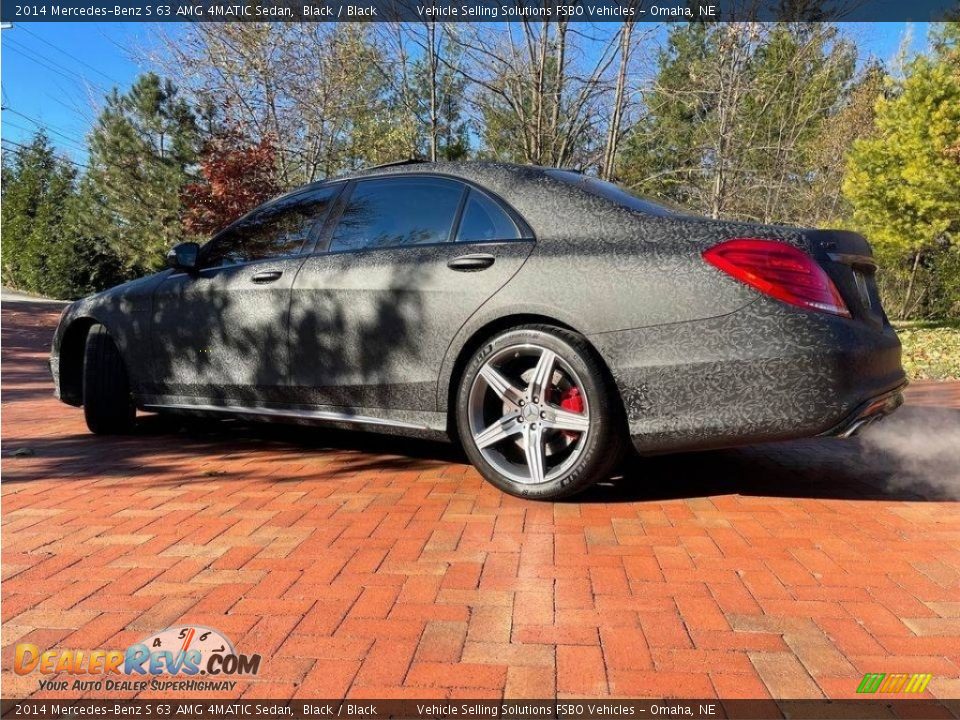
931, 351
453, 140
827, 154
904, 185
664, 153
374, 128
142, 152
735, 117
36, 187
756, 121
44, 250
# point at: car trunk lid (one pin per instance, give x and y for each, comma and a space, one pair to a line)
848, 260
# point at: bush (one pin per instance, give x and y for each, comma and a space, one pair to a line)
931, 351
935, 293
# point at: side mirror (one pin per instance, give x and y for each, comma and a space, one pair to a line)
184, 256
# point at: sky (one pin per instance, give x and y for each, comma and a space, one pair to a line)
56, 74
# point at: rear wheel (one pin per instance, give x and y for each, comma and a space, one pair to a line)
107, 402
536, 414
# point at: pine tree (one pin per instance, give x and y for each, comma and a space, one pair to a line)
734, 116
37, 187
44, 247
664, 153
453, 140
142, 154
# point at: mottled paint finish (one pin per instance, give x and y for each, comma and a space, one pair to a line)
700, 360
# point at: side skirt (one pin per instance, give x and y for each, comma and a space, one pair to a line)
408, 423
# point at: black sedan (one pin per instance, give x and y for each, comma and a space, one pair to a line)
544, 318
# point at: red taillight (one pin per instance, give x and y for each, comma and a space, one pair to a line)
780, 271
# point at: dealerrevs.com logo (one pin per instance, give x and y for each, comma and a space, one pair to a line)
183, 652
894, 683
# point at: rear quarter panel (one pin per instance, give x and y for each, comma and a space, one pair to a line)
605, 270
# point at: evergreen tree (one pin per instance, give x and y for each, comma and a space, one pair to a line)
453, 139
37, 187
44, 250
142, 154
664, 153
800, 75
733, 117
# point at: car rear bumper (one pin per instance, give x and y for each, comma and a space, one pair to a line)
765, 373
868, 412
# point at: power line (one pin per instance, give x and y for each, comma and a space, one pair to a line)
22, 148
46, 126
69, 55
34, 130
52, 65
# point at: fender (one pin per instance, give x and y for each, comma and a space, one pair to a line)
489, 316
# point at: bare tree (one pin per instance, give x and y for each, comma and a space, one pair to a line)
421, 64
622, 99
313, 87
538, 87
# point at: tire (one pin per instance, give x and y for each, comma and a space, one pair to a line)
107, 402
587, 446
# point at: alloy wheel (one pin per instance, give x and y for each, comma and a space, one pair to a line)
528, 413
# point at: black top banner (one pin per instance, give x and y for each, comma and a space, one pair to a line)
480, 10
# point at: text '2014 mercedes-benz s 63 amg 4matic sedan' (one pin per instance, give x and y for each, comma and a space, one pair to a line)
543, 318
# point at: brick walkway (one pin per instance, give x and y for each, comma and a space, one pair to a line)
374, 567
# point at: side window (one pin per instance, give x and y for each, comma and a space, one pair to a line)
483, 220
279, 230
398, 211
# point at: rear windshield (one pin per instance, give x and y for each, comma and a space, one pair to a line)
614, 193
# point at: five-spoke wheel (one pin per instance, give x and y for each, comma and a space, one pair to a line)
532, 412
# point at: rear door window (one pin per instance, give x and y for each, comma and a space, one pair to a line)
394, 212
278, 230
484, 220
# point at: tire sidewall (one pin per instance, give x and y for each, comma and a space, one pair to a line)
108, 405
583, 472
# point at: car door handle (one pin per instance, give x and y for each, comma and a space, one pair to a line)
471, 263
267, 276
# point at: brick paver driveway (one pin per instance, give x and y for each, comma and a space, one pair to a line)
374, 567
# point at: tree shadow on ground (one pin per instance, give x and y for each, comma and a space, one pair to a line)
189, 448
192, 449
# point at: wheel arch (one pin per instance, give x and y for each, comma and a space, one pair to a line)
487, 331
72, 345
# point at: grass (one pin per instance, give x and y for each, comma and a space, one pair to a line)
931, 350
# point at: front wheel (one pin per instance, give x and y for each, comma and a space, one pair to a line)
536, 414
108, 406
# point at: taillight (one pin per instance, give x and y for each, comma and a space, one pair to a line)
780, 271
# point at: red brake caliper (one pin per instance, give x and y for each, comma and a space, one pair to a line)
571, 400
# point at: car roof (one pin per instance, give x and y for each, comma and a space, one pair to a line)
473, 170
548, 206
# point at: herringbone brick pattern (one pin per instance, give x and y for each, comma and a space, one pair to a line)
371, 567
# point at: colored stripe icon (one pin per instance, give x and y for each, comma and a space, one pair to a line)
894, 683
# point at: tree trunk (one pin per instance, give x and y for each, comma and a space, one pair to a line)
909, 293
434, 113
613, 133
